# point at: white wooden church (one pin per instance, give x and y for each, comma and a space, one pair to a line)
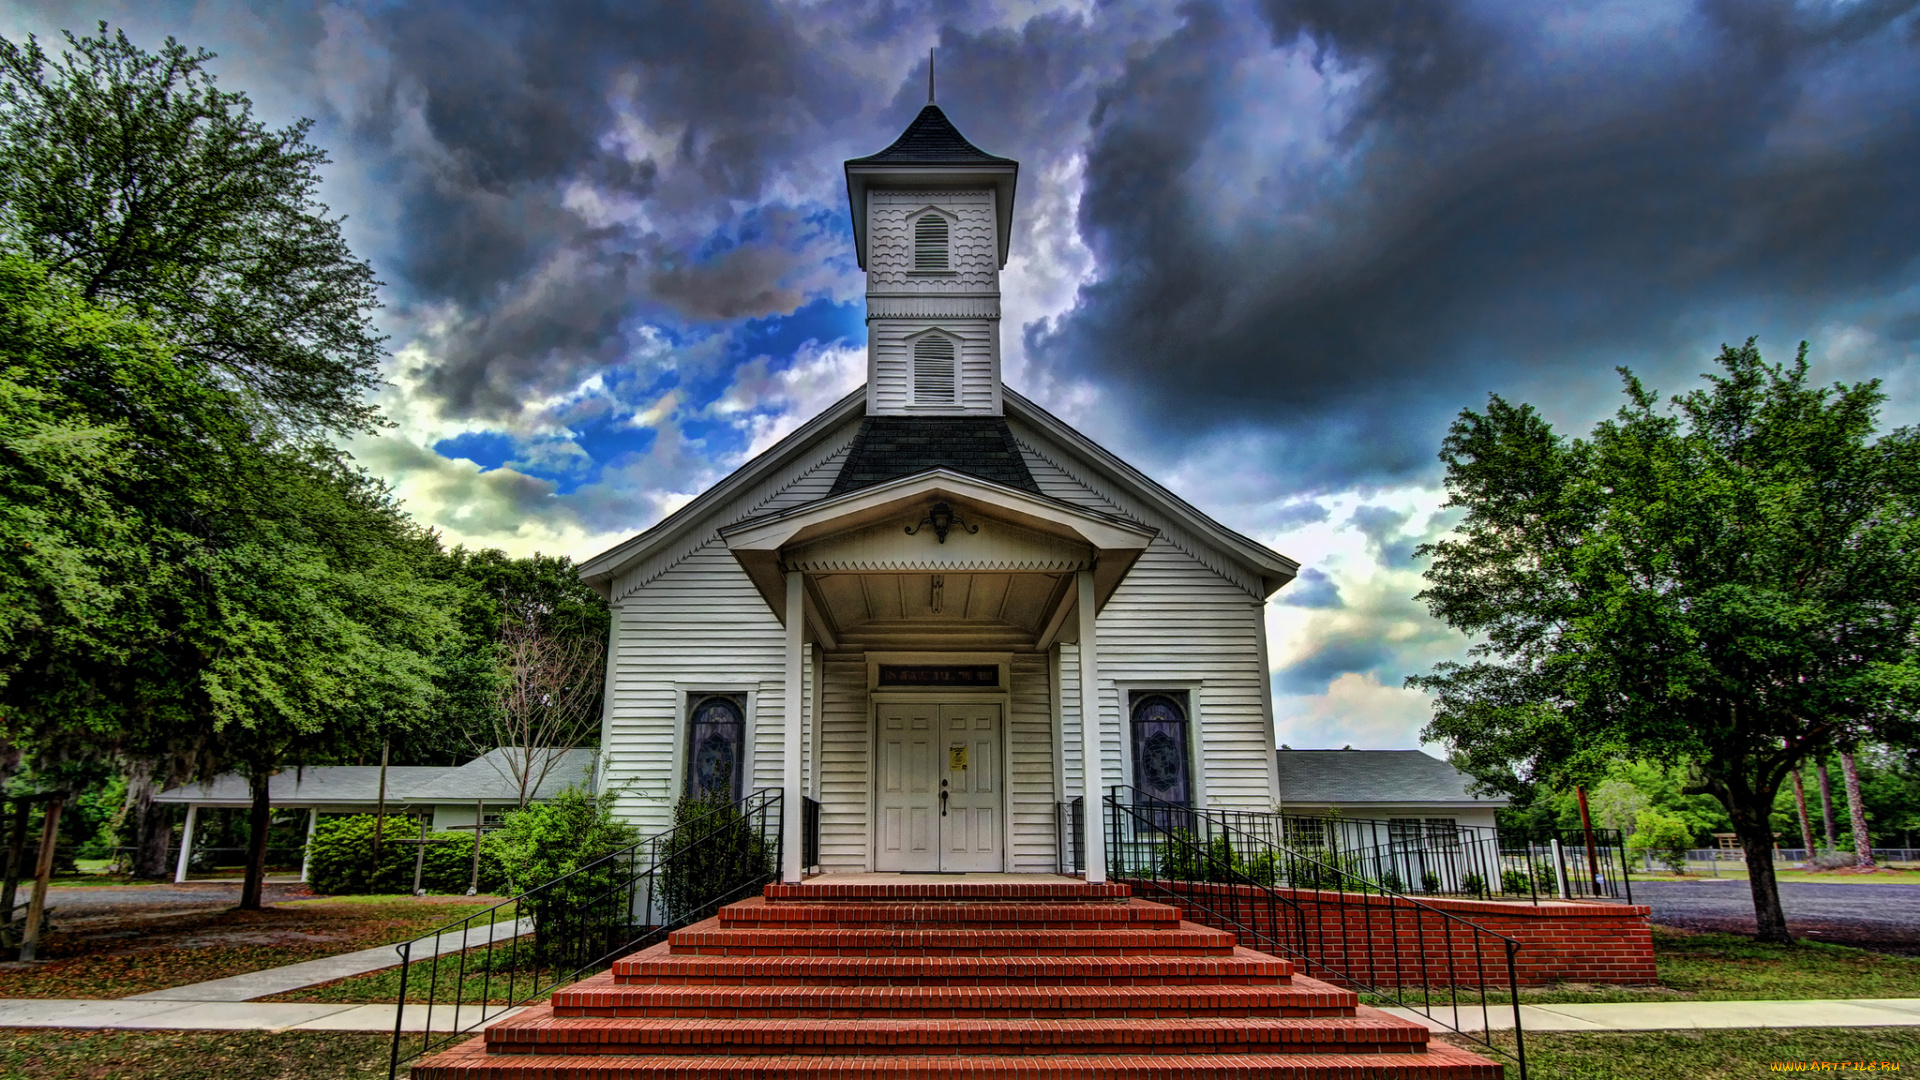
909, 609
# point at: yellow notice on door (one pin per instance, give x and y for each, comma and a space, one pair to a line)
956, 758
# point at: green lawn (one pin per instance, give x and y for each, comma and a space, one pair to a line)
193, 1055
1729, 967
1705, 1055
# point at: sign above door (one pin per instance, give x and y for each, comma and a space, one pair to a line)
972, 676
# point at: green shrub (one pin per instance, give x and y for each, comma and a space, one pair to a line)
340, 860
713, 856
1474, 885
1666, 836
1391, 882
567, 837
1514, 882
1429, 883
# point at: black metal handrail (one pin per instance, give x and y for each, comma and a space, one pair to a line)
809, 832
1313, 910
1070, 836
559, 932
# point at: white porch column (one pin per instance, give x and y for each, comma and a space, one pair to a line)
792, 819
306, 853
1092, 778
186, 844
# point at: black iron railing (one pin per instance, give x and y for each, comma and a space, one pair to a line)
1440, 858
1229, 870
809, 833
1070, 836
521, 949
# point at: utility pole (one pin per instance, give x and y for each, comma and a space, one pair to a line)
42, 873
380, 810
1593, 852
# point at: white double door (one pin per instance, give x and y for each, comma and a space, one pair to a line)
938, 789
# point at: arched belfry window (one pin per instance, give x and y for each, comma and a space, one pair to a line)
930, 242
933, 370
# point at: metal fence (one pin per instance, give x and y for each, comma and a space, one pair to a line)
581, 922
1231, 870
1070, 836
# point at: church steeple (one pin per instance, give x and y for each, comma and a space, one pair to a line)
932, 217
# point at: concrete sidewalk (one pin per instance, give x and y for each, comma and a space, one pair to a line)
280, 980
129, 1014
1677, 1015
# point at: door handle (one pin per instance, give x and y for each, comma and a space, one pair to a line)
943, 802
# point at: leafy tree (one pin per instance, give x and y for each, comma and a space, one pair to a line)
135, 179
1726, 583
1666, 836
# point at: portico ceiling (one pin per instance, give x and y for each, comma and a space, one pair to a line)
878, 574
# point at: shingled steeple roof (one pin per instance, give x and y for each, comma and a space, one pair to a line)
931, 140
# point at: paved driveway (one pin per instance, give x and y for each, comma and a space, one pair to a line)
1885, 918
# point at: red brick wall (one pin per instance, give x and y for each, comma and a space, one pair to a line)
1390, 941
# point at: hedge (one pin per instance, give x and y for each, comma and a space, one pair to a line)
340, 860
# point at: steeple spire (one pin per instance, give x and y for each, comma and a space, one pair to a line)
929, 76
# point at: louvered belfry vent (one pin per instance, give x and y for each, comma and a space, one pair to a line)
933, 369
930, 243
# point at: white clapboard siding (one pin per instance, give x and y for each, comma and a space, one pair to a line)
1187, 616
1030, 744
890, 346
844, 749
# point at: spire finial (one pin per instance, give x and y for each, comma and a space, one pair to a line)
929, 76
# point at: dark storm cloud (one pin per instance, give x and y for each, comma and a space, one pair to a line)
532, 207
1499, 188
1312, 589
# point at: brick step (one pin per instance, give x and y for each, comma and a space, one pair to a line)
470, 1061
1135, 914
602, 996
659, 966
538, 1031
921, 891
708, 938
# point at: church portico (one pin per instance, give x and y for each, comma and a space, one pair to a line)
933, 582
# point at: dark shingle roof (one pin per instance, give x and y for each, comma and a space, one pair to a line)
931, 140
890, 447
1372, 776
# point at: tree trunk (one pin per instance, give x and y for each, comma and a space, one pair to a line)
1826, 805
148, 826
259, 821
1751, 824
1800, 800
42, 876
16, 860
1857, 810
1586, 827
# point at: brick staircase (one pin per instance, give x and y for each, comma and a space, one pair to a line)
982, 979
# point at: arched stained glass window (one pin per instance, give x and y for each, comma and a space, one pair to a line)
716, 746
930, 242
1160, 741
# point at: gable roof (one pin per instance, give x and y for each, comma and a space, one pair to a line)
1332, 777
931, 140
890, 447
692, 521
486, 777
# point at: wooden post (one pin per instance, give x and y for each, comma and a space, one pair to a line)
380, 808
479, 819
1593, 851
792, 827
1091, 765
42, 874
420, 857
